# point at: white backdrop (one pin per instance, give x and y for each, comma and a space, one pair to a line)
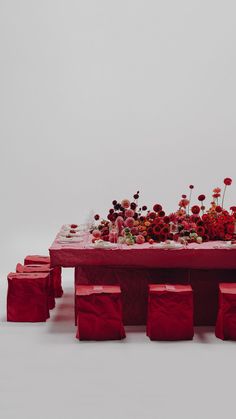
100, 98
97, 100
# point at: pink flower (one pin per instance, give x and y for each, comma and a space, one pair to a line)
125, 203
140, 239
129, 213
96, 234
129, 222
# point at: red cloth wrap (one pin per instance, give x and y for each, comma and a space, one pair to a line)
134, 287
56, 273
36, 269
27, 297
170, 312
99, 313
226, 319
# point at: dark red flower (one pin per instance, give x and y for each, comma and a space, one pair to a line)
201, 198
144, 208
216, 195
227, 181
96, 217
230, 228
184, 196
233, 209
152, 215
161, 213
201, 231
191, 186
157, 207
195, 209
218, 209
114, 202
133, 206
166, 219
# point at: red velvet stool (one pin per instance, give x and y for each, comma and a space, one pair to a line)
226, 319
56, 273
36, 269
99, 312
27, 297
170, 312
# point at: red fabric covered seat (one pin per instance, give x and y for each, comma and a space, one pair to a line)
99, 312
56, 272
36, 269
226, 319
27, 297
170, 312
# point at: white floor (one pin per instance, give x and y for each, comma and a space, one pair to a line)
46, 373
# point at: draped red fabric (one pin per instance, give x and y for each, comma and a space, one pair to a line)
37, 260
226, 319
40, 268
99, 313
56, 272
134, 287
27, 297
170, 312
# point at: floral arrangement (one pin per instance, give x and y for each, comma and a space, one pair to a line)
129, 223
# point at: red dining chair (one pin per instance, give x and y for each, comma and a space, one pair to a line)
226, 319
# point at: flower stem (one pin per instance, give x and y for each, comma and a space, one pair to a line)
223, 198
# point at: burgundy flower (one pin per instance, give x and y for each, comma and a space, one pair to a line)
218, 209
157, 207
144, 208
166, 219
161, 213
191, 186
201, 231
233, 209
227, 181
201, 198
96, 217
195, 209
184, 196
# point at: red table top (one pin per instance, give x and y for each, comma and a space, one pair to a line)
209, 255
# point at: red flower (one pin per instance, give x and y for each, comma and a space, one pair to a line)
201, 231
227, 181
161, 213
191, 186
216, 195
230, 229
166, 219
218, 208
201, 198
96, 217
184, 196
195, 209
233, 209
157, 207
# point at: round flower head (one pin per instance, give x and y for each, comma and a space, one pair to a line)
227, 181
125, 203
195, 209
233, 209
191, 186
129, 213
216, 190
129, 222
218, 208
140, 239
157, 207
201, 198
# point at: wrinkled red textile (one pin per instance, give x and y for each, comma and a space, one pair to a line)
37, 260
134, 286
99, 313
27, 297
40, 268
195, 256
170, 312
56, 273
226, 319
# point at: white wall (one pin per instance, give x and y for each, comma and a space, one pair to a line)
101, 98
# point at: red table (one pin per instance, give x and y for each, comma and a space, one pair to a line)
134, 267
